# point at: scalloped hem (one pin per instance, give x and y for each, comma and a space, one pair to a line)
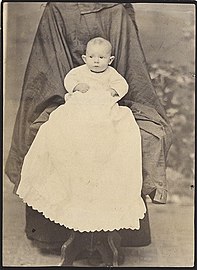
75, 228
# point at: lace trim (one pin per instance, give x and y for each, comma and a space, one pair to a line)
36, 207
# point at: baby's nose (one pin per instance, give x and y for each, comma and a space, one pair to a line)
96, 60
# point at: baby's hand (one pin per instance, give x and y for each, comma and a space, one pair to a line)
112, 92
81, 87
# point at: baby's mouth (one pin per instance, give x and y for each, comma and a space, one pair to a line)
97, 71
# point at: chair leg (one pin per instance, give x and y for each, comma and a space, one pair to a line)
106, 245
105, 254
114, 241
76, 243
67, 254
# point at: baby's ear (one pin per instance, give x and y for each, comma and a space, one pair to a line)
111, 59
84, 58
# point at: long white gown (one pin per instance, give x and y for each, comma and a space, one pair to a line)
84, 168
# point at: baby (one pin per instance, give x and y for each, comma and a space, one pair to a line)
96, 73
91, 152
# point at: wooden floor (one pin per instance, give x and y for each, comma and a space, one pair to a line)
171, 227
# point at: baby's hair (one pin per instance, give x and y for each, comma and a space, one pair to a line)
100, 41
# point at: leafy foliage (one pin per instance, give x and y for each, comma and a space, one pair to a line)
175, 88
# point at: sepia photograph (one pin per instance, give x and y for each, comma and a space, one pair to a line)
98, 134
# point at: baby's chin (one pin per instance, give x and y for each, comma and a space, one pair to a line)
97, 70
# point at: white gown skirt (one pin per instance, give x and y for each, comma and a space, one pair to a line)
84, 168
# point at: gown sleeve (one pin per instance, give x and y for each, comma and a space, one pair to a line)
71, 80
118, 83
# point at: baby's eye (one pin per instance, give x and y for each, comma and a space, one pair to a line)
90, 56
101, 57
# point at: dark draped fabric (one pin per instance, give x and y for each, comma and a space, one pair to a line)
61, 38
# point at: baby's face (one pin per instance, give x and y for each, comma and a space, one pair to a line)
97, 57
